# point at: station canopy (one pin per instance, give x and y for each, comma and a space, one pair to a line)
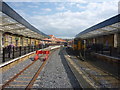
106, 27
13, 23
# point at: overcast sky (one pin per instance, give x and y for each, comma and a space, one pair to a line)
65, 19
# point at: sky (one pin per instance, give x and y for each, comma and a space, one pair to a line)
65, 19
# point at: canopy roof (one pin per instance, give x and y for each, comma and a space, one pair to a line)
108, 26
13, 23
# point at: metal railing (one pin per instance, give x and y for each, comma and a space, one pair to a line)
14, 52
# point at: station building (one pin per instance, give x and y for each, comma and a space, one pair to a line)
16, 31
106, 33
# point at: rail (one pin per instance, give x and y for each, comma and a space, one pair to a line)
30, 83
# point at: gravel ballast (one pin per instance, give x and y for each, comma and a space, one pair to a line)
15, 69
56, 73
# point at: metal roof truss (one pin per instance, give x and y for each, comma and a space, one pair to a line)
7, 24
102, 31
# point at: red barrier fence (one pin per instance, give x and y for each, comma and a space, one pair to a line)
41, 52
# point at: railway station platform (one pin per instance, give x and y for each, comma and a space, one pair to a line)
101, 74
92, 61
62, 69
54, 73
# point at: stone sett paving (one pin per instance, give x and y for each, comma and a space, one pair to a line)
56, 73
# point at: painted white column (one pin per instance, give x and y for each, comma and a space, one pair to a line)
0, 42
116, 38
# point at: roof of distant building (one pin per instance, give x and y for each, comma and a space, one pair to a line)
54, 39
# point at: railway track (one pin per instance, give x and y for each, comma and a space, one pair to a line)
100, 78
26, 77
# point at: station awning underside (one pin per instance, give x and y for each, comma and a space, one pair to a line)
106, 27
13, 25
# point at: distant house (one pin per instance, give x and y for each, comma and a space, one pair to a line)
53, 40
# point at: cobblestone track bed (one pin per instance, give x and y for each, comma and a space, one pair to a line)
99, 77
56, 73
